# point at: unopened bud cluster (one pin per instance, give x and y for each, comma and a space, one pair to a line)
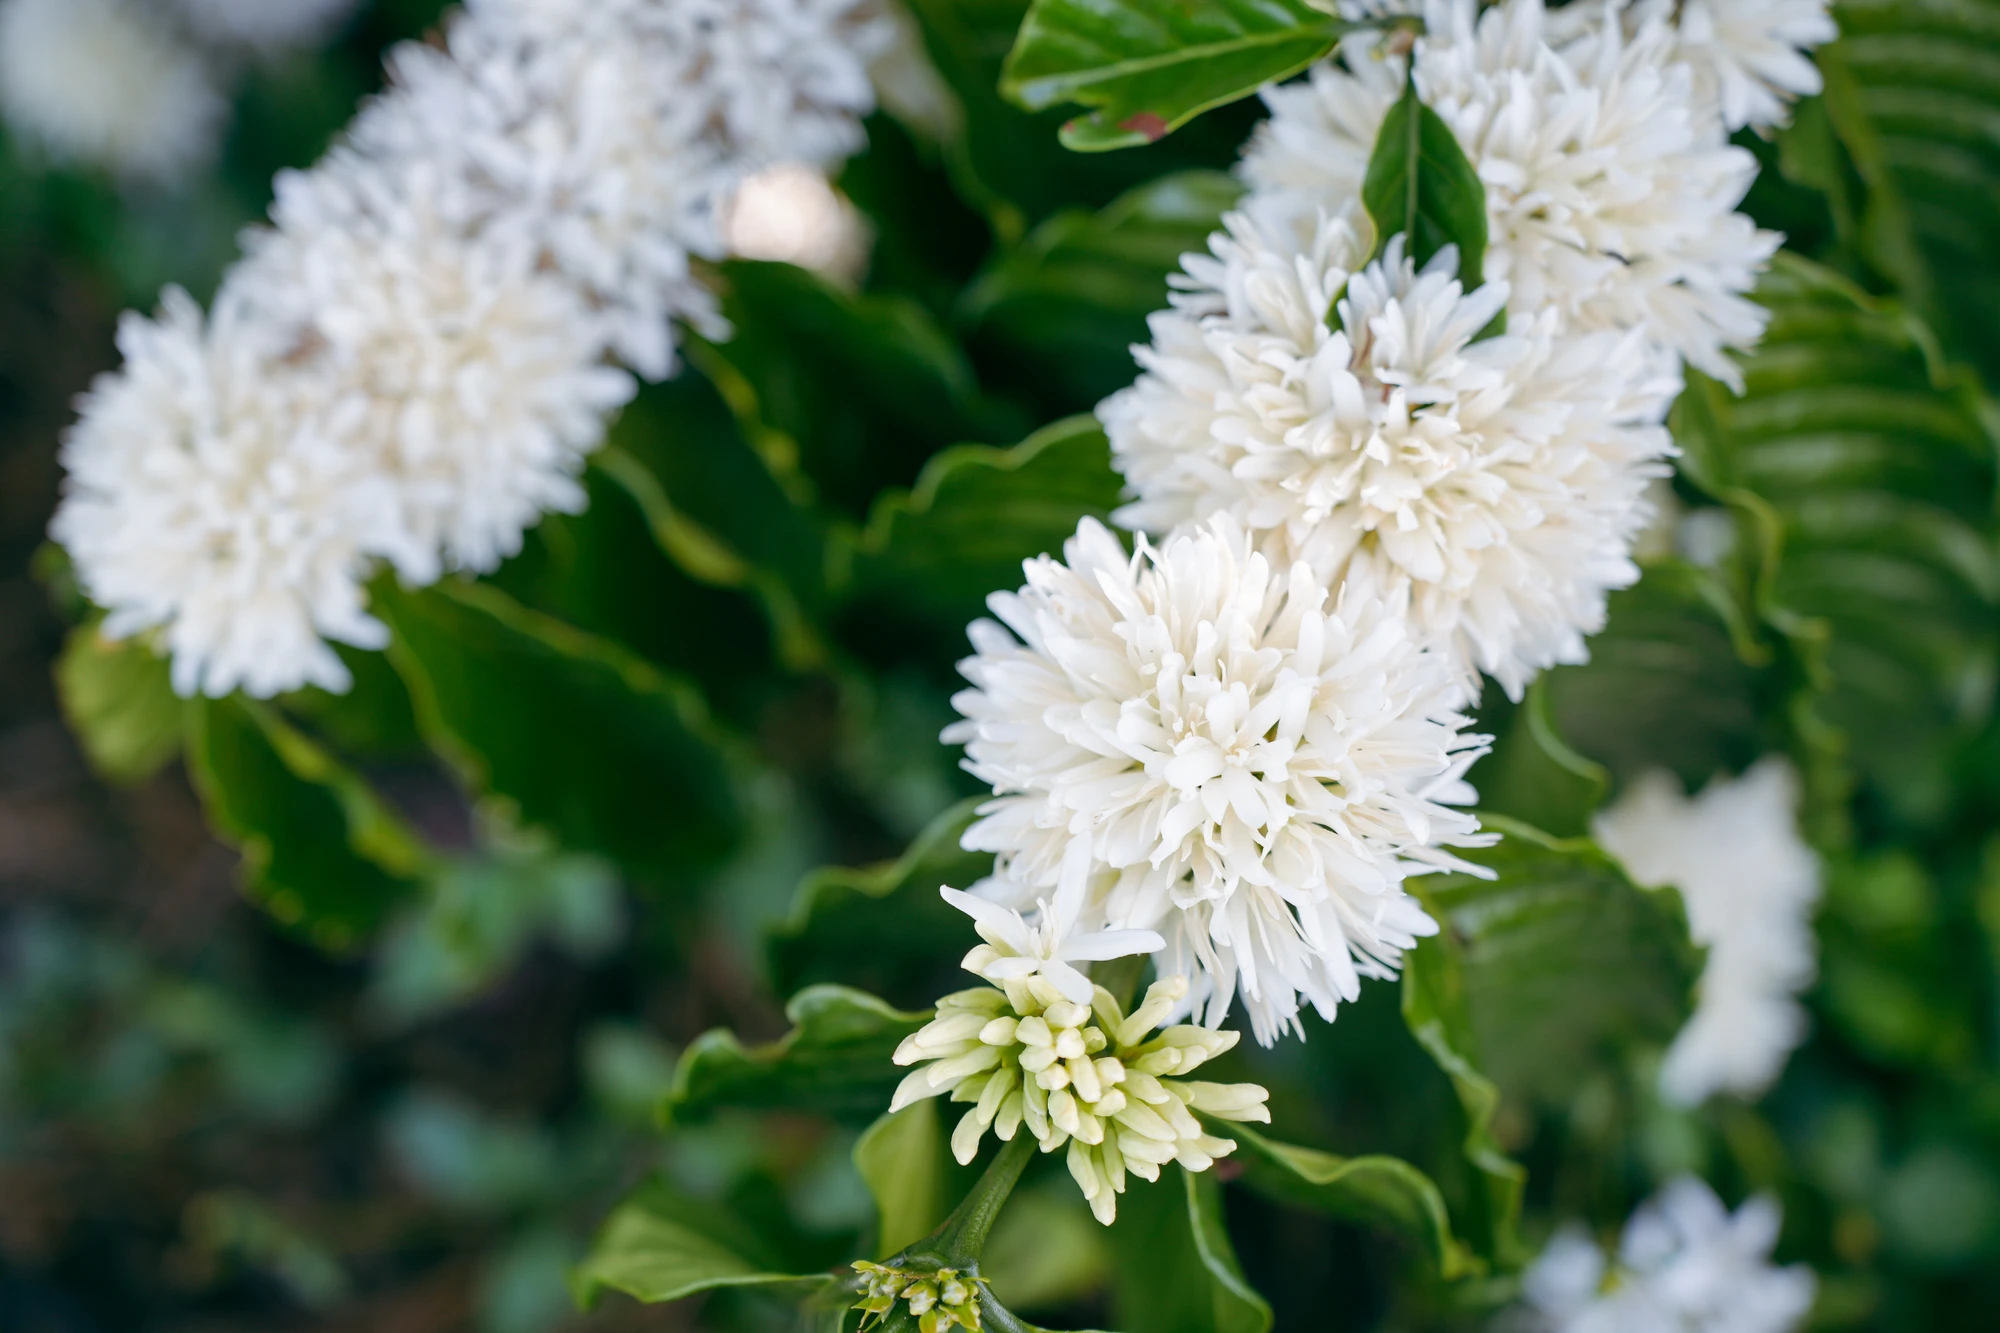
1094, 1078
940, 1300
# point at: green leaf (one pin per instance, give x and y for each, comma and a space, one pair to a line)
883, 929
120, 702
1532, 774
935, 554
905, 1160
1421, 186
835, 1060
321, 852
580, 736
1061, 310
1149, 68
1176, 1272
659, 1245
1384, 1192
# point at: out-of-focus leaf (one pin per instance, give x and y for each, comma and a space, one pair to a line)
836, 1060
1533, 775
1147, 69
906, 1161
372, 720
1420, 186
884, 925
935, 554
1384, 1192
321, 852
848, 393
1176, 1272
1873, 463
120, 703
659, 1245
1064, 307
584, 738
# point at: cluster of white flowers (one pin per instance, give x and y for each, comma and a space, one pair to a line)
1750, 884
412, 364
1043, 1047
138, 87
1685, 1265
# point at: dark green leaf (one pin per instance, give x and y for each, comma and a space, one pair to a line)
1176, 1272
1062, 310
935, 554
1533, 775
1149, 68
120, 702
1384, 1192
884, 929
836, 1060
1421, 186
320, 850
659, 1245
582, 737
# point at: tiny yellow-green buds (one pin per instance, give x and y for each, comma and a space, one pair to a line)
940, 1300
1089, 1077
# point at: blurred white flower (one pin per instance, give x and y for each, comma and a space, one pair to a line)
1496, 485
264, 25
790, 213
213, 496
1685, 1265
106, 83
1218, 756
1607, 198
1750, 884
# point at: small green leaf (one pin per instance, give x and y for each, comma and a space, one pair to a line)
120, 702
836, 1060
1176, 1272
659, 1245
1384, 1192
1149, 68
883, 928
1421, 186
905, 1160
584, 738
321, 851
935, 554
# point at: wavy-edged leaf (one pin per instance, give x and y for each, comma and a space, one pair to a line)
1421, 186
1061, 310
1532, 773
321, 852
883, 928
660, 1245
582, 737
836, 1060
1147, 69
1384, 1192
935, 554
1176, 1271
118, 698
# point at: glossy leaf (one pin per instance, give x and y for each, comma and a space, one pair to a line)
1147, 69
835, 1060
659, 1245
119, 701
582, 737
1384, 1192
321, 852
1421, 186
1176, 1272
1061, 310
884, 928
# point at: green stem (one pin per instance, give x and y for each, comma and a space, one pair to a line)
958, 1242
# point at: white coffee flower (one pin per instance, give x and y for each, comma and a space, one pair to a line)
1053, 943
105, 82
1079, 1074
1686, 1265
1607, 198
1496, 483
213, 496
1220, 757
265, 25
790, 213
478, 380
1750, 884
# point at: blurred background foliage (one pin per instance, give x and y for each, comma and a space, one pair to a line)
359, 1013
